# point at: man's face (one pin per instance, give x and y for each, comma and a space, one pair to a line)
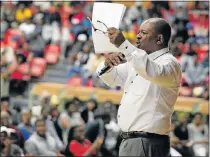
91, 105
72, 108
146, 37
4, 106
26, 117
198, 119
79, 133
41, 128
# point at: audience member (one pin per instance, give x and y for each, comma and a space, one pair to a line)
198, 135
79, 146
41, 143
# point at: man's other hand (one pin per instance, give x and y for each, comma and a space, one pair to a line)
116, 37
114, 59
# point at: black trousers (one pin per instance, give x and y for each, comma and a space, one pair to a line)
142, 146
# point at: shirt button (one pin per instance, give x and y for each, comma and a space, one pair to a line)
126, 92
136, 74
126, 47
118, 116
131, 81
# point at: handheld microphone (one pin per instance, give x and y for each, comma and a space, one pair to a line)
103, 70
107, 67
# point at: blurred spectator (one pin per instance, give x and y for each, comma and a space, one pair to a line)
6, 121
195, 73
77, 61
69, 119
198, 135
4, 26
8, 65
47, 31
8, 12
79, 146
21, 75
88, 113
26, 127
8, 147
52, 15
27, 27
41, 142
6, 107
181, 129
181, 132
22, 13
50, 127
175, 143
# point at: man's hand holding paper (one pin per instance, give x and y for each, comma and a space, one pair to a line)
105, 15
116, 37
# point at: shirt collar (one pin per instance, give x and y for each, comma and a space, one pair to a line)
158, 53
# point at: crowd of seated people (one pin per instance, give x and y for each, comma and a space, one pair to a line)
35, 34
73, 127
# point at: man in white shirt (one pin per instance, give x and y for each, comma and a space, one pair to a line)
151, 77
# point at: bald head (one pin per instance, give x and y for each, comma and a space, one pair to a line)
161, 26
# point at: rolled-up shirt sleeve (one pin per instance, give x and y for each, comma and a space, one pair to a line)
115, 76
167, 73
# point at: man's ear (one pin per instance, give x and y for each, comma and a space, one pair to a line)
160, 39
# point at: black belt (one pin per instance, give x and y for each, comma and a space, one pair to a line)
137, 134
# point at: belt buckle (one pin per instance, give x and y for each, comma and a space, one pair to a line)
127, 133
124, 135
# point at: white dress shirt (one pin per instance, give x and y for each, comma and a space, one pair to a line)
151, 84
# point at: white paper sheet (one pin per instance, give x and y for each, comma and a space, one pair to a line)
111, 14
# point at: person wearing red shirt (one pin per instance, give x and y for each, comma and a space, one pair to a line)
79, 146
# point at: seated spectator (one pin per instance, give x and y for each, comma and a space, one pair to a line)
69, 119
6, 121
176, 146
76, 66
47, 30
181, 128
21, 75
8, 66
4, 26
22, 13
8, 147
35, 40
55, 113
50, 127
181, 132
79, 145
41, 143
6, 107
27, 27
195, 73
198, 135
88, 112
26, 126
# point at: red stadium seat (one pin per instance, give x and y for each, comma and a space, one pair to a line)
89, 83
38, 67
51, 53
20, 72
75, 81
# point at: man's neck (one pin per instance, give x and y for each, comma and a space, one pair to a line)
156, 49
43, 136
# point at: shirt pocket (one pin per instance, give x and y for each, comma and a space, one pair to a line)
139, 85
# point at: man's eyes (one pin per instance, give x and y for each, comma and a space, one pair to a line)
142, 32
